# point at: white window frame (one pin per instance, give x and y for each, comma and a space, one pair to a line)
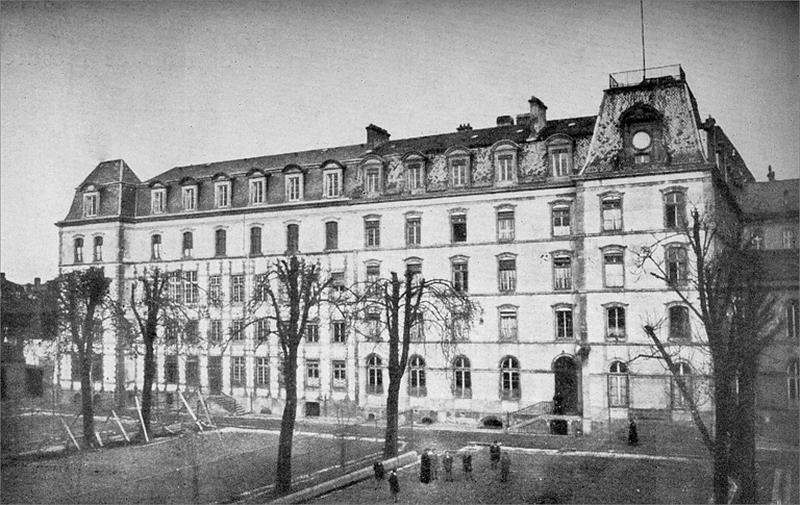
508, 314
608, 221
562, 283
189, 197
413, 230
372, 232
506, 283
372, 185
258, 190
91, 203
607, 253
158, 200
415, 175
293, 187
332, 183
618, 385
616, 331
506, 224
561, 311
560, 160
505, 161
222, 194
459, 165
561, 230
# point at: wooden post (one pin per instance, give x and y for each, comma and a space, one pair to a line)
121, 428
776, 487
99, 440
141, 419
191, 412
208, 414
69, 432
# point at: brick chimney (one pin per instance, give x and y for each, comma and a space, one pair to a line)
505, 121
376, 135
538, 116
464, 127
770, 173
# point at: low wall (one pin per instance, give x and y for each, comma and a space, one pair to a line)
346, 480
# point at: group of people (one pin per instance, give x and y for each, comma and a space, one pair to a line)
429, 467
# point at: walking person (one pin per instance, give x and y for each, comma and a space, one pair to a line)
494, 454
378, 470
466, 465
425, 467
633, 433
447, 463
434, 465
505, 467
394, 484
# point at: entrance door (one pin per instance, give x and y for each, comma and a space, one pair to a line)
215, 374
566, 387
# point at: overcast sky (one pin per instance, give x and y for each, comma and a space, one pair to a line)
173, 83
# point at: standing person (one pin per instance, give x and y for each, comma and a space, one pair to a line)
505, 467
378, 470
447, 463
494, 454
434, 465
425, 467
466, 465
394, 484
633, 433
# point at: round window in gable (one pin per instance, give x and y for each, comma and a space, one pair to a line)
641, 140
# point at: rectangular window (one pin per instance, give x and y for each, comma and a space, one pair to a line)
561, 162
171, 369
98, 248
339, 374
175, 287
507, 275
237, 331
372, 320
237, 288
215, 331
416, 272
373, 276
214, 289
222, 194
220, 242
331, 235
564, 323
237, 371
193, 371
505, 168
561, 226
78, 250
339, 335
292, 238
155, 247
262, 372
337, 284
505, 226
676, 265
294, 189
312, 333
415, 177
372, 233
413, 231
789, 238
618, 389
189, 198
460, 277
190, 288
679, 327
458, 228
255, 241
312, 373
508, 325
258, 191
260, 287
188, 244
562, 273
459, 172
332, 184
372, 182
611, 210
675, 210
158, 200
615, 323
262, 330
614, 269
792, 319
90, 205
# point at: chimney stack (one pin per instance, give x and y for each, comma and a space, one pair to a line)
37, 281
538, 115
464, 127
505, 121
770, 173
376, 135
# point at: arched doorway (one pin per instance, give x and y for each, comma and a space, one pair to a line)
566, 385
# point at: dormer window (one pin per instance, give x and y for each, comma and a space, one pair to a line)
293, 186
458, 166
372, 180
415, 173
505, 162
559, 153
158, 199
505, 168
222, 194
189, 197
332, 182
91, 201
641, 131
258, 190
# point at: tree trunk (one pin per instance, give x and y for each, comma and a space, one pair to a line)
149, 374
743, 452
392, 413
722, 429
87, 407
283, 478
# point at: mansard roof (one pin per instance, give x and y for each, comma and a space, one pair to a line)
110, 171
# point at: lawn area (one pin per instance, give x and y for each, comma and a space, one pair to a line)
185, 469
547, 478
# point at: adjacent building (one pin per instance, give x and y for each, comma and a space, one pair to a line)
542, 221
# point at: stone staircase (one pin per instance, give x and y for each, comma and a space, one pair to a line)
228, 403
536, 418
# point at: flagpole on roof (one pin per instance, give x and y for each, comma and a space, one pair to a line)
641, 17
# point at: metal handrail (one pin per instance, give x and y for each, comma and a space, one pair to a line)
634, 77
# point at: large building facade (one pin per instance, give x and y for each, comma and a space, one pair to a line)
541, 221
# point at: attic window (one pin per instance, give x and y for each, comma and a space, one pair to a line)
222, 194
91, 201
158, 199
258, 189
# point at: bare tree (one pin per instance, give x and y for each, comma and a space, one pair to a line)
292, 287
82, 296
721, 280
407, 307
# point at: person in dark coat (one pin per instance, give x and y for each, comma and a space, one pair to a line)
394, 484
494, 454
505, 467
466, 465
434, 465
447, 463
378, 470
425, 467
633, 434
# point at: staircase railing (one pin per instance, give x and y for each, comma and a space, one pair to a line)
531, 411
